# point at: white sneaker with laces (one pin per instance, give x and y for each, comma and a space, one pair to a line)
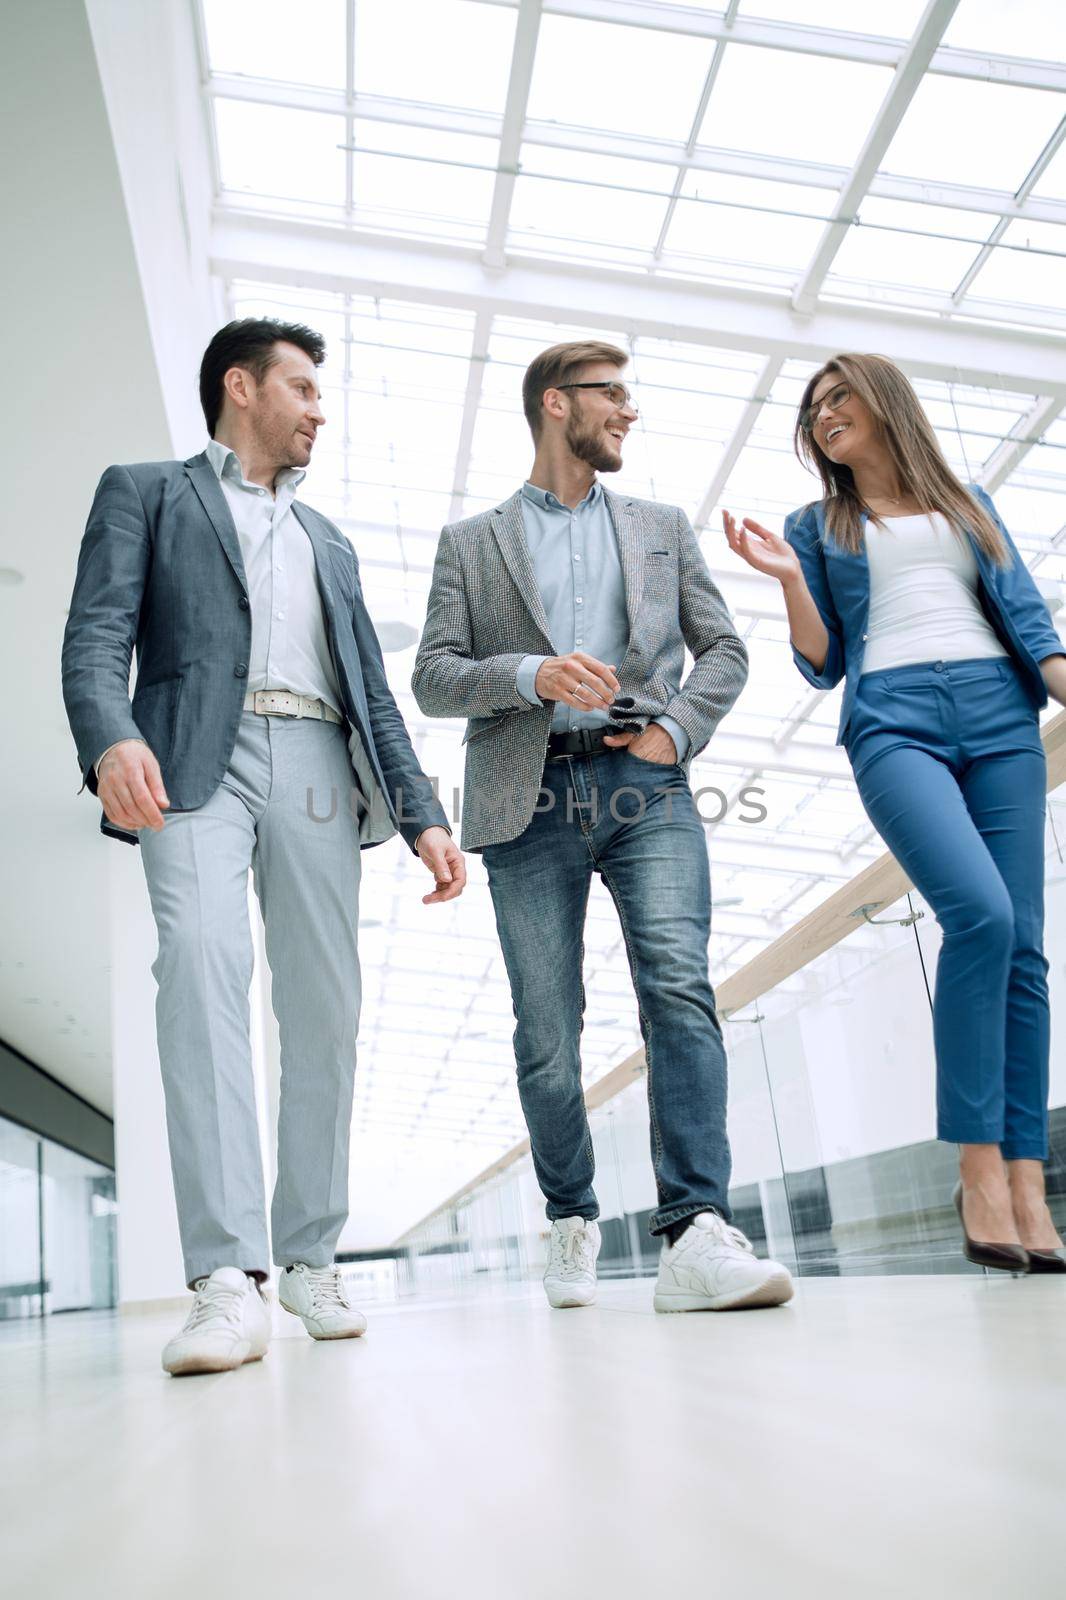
228, 1325
712, 1267
319, 1297
570, 1276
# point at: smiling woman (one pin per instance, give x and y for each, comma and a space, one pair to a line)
903, 581
856, 404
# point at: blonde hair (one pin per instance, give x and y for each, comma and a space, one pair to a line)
561, 364
923, 473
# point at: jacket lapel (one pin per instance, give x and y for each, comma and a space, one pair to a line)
318, 545
629, 531
510, 534
203, 479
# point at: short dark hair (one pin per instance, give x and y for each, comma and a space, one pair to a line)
250, 343
559, 364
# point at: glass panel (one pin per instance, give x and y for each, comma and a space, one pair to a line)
422, 196
79, 1231
1037, 279
20, 1237
290, 155
886, 19
733, 225
259, 39
910, 257
985, 134
551, 206
778, 103
463, 54
1031, 28
644, 82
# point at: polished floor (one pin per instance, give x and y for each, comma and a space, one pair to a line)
878, 1437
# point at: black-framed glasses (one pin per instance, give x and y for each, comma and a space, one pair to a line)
835, 399
617, 393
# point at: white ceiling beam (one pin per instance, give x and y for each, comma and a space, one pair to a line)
1021, 439
760, 321
788, 730
746, 422
479, 355
1040, 166
910, 70
514, 118
656, 152
800, 39
697, 123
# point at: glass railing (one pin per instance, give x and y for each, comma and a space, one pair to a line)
836, 1165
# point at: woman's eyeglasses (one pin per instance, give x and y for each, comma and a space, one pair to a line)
834, 399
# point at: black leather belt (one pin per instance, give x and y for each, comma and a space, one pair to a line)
582, 742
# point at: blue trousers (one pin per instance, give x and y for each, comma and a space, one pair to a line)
948, 762
634, 823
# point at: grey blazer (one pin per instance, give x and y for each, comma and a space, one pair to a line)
485, 613
160, 569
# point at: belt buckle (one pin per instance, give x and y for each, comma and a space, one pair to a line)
275, 711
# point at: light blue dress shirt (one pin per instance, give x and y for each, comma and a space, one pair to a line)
290, 649
579, 574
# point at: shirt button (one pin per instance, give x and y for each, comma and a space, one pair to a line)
577, 558
577, 602
240, 670
280, 616
938, 666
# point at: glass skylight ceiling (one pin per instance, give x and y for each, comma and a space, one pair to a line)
700, 160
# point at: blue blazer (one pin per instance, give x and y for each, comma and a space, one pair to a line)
160, 569
839, 583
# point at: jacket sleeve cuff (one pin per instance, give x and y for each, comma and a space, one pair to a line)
677, 734
526, 677
832, 671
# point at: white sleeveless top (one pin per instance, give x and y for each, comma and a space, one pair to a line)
923, 595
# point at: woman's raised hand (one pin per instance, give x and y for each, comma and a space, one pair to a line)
761, 549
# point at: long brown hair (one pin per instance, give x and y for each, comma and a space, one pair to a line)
923, 473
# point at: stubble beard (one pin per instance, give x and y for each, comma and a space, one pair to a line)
589, 447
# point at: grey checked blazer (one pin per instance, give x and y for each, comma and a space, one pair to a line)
485, 613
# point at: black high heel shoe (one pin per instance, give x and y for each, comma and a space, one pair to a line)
1005, 1257
1046, 1261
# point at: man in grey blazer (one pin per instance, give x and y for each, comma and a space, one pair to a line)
263, 727
557, 626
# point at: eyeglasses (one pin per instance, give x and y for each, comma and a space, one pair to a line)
834, 399
617, 393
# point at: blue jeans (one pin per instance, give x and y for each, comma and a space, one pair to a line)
949, 765
635, 823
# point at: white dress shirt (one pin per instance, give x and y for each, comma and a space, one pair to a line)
290, 649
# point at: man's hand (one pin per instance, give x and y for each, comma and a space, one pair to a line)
654, 745
444, 859
578, 680
130, 786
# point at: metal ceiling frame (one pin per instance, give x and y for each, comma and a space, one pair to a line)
247, 245
598, 142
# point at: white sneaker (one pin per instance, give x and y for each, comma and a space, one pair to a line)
570, 1276
712, 1267
228, 1325
319, 1297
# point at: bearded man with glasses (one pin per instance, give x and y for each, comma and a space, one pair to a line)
557, 626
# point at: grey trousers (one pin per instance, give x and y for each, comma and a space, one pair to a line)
272, 813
